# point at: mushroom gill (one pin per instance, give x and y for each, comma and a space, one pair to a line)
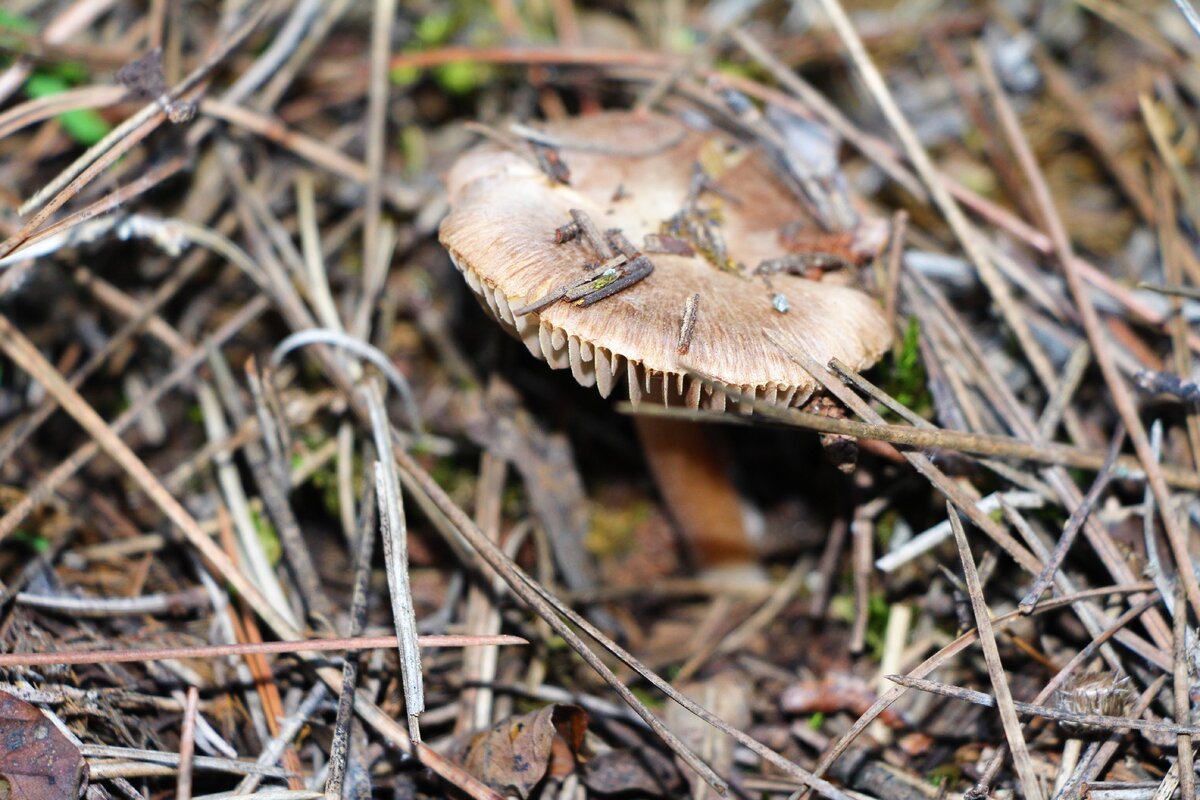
637, 174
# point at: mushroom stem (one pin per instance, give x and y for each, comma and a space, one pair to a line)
695, 486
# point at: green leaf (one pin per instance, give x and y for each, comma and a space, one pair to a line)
44, 84
83, 125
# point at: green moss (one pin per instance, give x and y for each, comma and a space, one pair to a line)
268, 537
414, 148
462, 77
905, 379
325, 479
944, 775
607, 278
885, 528
611, 532
34, 541
841, 607
433, 29
470, 21
404, 75
457, 478
13, 44
878, 611
648, 698
15, 22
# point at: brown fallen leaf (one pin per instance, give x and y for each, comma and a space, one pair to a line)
36, 761
515, 754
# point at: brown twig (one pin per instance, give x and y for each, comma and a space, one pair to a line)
921, 463
1097, 338
981, 788
187, 746
66, 657
1182, 688
1171, 249
895, 264
1100, 721
991, 654
1074, 524
942, 656
932, 440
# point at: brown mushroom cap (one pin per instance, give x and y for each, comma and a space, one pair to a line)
501, 234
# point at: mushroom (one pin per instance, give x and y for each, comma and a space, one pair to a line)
636, 247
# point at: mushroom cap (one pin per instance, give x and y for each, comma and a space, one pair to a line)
632, 171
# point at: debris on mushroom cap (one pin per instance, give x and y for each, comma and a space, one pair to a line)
505, 232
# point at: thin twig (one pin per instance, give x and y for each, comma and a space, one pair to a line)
921, 463
687, 324
394, 530
1101, 721
363, 350
173, 603
548, 607
339, 750
1074, 525
1171, 250
187, 746
981, 788
1193, 20
67, 657
1097, 756
895, 264
288, 729
1060, 400
928, 539
22, 352
932, 439
991, 654
226, 765
123, 137
941, 657
378, 87
1182, 686
1099, 341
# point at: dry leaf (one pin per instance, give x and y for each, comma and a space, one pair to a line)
516, 753
36, 761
